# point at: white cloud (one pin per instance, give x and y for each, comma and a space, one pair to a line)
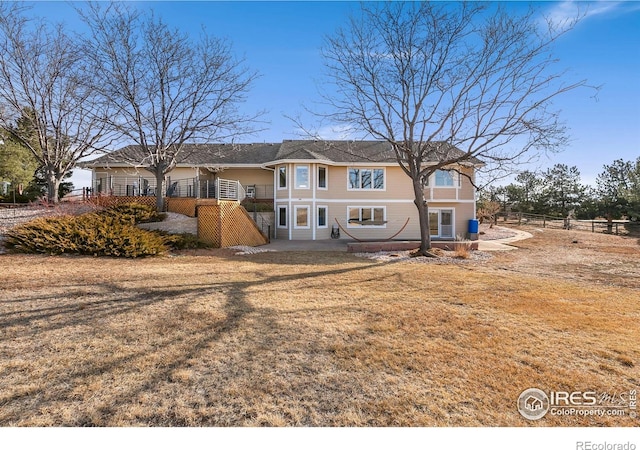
566, 12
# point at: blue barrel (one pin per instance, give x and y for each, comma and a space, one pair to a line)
473, 226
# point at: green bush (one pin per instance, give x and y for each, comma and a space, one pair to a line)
183, 241
134, 213
95, 234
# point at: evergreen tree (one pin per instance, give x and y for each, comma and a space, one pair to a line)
17, 164
562, 192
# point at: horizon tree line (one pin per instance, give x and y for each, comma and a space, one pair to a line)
558, 191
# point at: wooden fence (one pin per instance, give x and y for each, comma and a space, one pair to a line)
594, 226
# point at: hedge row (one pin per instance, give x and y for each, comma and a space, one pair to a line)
111, 232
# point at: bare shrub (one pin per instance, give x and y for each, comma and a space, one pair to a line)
462, 248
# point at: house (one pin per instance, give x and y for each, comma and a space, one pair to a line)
533, 404
313, 186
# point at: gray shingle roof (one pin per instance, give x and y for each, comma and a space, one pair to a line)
258, 154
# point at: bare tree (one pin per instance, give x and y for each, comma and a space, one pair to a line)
44, 101
166, 88
447, 82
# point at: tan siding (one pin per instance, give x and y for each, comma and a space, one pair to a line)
396, 216
248, 176
444, 194
467, 191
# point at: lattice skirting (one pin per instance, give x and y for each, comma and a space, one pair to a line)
186, 206
109, 201
227, 224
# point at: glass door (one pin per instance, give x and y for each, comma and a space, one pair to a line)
441, 223
446, 223
434, 219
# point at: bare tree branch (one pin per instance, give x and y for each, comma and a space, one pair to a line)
166, 88
428, 77
43, 93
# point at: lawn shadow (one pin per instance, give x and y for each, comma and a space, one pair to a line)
175, 338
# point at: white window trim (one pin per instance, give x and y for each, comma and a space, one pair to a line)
326, 208
295, 175
372, 189
286, 215
286, 178
295, 217
372, 207
326, 177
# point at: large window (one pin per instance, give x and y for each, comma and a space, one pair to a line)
282, 177
444, 178
366, 178
302, 217
282, 217
361, 216
302, 177
322, 177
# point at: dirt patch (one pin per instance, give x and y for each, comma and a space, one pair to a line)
575, 255
488, 233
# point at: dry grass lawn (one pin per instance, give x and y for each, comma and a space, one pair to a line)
317, 339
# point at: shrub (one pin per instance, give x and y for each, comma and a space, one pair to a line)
134, 213
183, 241
95, 234
462, 248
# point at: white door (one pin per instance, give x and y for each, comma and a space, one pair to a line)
441, 223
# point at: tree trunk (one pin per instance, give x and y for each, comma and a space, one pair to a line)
160, 189
423, 216
53, 185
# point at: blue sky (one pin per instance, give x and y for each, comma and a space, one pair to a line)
281, 41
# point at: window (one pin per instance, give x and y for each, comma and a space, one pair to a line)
366, 216
322, 217
444, 178
366, 178
302, 177
302, 216
322, 177
282, 177
282, 217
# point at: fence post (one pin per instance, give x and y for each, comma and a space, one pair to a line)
593, 227
544, 221
616, 228
520, 218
